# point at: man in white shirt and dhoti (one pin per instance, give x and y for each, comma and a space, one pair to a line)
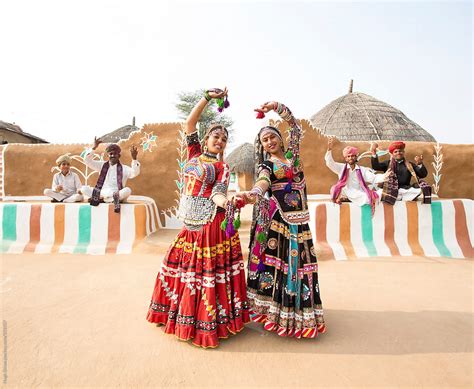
113, 176
354, 180
66, 185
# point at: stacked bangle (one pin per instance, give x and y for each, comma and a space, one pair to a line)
263, 178
206, 96
256, 190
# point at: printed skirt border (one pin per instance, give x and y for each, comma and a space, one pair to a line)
285, 296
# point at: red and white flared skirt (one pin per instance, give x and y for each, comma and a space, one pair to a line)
200, 291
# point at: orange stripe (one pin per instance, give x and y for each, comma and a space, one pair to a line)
412, 221
389, 232
321, 238
59, 212
140, 221
345, 230
462, 233
35, 221
113, 237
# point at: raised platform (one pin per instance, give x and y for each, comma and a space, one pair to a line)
442, 229
43, 227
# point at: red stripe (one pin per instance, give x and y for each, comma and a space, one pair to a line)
389, 232
325, 250
113, 237
412, 222
35, 218
462, 232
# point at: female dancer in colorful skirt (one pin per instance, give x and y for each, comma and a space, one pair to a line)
282, 285
200, 290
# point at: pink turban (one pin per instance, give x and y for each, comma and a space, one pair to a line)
350, 150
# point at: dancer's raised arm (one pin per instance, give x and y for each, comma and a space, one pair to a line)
196, 112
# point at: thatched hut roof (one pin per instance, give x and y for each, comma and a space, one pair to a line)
357, 116
121, 133
241, 160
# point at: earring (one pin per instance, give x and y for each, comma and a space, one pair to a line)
205, 149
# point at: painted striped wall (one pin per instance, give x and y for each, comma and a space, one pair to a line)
442, 229
75, 228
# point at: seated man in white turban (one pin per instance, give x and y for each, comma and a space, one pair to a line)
66, 186
354, 180
113, 176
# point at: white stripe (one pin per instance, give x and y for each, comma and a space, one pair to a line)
449, 229
99, 229
71, 228
333, 213
127, 230
312, 219
22, 229
378, 228
400, 226
425, 230
46, 229
469, 218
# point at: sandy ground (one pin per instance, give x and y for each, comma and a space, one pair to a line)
76, 321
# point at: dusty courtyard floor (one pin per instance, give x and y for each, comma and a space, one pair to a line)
77, 321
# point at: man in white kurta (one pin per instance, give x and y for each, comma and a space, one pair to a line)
66, 185
110, 184
352, 190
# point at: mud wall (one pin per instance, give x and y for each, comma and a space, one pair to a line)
28, 167
457, 169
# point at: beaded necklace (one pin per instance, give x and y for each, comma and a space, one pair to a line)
209, 157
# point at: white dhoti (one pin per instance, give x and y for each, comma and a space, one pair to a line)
107, 194
357, 197
408, 194
405, 194
62, 197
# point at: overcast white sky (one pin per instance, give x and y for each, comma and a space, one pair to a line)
74, 69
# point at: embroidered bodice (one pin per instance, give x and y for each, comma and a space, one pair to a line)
292, 205
204, 177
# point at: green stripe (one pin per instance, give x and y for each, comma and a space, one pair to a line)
367, 232
8, 226
84, 229
437, 223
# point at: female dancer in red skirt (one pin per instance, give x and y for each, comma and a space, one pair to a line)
200, 291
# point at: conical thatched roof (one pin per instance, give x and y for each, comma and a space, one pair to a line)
121, 133
357, 116
241, 160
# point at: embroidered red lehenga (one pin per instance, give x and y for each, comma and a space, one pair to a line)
200, 291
